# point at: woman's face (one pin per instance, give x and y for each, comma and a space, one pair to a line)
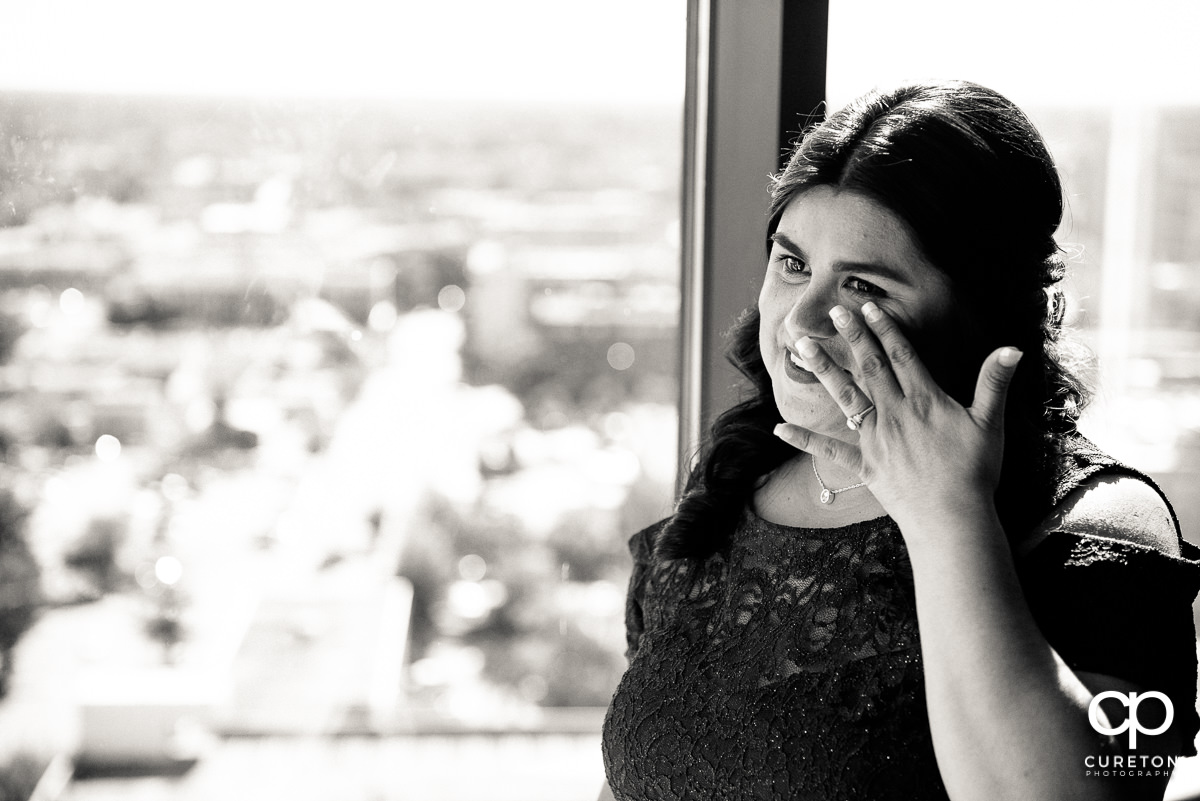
837, 247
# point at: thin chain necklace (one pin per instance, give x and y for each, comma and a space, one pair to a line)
827, 494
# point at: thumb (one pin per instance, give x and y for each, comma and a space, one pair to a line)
992, 387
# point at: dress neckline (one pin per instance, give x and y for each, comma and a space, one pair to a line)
752, 516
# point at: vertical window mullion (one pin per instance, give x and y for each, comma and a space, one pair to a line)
748, 83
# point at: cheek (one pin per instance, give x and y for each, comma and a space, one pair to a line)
950, 353
808, 405
772, 304
767, 322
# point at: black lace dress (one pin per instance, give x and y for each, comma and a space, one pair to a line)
790, 666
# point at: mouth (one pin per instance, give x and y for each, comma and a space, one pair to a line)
797, 371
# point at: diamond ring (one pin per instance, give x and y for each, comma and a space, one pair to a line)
854, 421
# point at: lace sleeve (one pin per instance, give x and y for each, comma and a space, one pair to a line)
641, 546
1122, 609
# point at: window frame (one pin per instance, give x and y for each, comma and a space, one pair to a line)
734, 140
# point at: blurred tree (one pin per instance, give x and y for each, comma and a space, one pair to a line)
588, 545
427, 563
567, 666
94, 554
582, 672
165, 624
12, 328
529, 645
50, 430
20, 590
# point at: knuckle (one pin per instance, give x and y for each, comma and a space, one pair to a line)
854, 335
873, 365
996, 380
829, 450
846, 395
901, 354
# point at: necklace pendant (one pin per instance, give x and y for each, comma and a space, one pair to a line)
826, 496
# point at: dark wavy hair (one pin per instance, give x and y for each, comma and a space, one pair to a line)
972, 178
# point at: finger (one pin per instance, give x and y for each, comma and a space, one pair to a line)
826, 448
836, 381
906, 365
991, 389
873, 367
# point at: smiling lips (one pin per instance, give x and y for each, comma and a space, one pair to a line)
797, 371
794, 367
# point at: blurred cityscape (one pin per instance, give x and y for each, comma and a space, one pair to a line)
325, 421
324, 425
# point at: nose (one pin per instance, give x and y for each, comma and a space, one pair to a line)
809, 315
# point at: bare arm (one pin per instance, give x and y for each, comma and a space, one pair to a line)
1009, 718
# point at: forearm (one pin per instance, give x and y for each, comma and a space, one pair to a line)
1009, 719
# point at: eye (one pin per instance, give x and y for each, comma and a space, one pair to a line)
861, 287
790, 267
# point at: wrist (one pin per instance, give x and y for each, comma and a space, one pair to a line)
955, 519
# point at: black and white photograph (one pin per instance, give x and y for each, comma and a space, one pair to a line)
652, 400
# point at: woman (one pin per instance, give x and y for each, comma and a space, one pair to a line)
897, 570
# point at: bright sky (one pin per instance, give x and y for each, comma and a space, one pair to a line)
623, 50
1034, 51
618, 50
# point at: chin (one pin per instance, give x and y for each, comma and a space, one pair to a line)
818, 413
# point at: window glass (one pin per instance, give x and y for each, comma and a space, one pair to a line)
1113, 93
338, 348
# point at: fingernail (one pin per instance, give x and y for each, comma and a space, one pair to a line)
841, 318
806, 347
779, 429
1010, 356
871, 311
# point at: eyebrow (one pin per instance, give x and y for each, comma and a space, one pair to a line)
868, 267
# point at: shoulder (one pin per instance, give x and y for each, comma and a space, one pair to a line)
641, 543
1117, 507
